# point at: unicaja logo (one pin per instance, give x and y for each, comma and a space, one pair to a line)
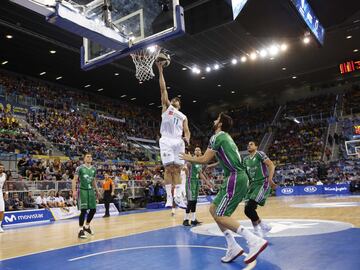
310, 189
287, 191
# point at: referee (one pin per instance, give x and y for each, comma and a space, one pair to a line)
109, 188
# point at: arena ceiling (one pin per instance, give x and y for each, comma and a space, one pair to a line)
259, 25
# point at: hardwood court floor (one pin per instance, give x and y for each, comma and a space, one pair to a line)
30, 240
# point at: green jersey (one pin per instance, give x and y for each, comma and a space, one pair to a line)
195, 171
227, 153
256, 167
86, 176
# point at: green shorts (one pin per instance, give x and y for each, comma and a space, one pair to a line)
231, 193
192, 189
258, 191
86, 199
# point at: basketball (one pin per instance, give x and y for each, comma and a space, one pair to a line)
163, 58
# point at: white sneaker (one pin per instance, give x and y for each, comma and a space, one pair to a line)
180, 201
256, 246
169, 203
232, 253
263, 230
1, 230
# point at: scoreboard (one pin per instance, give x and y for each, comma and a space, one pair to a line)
349, 66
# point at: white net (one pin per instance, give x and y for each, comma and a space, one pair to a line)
144, 60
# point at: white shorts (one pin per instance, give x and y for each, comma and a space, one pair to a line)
2, 204
170, 149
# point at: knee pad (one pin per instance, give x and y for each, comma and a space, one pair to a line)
250, 211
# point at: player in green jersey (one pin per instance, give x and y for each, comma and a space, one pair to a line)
193, 175
232, 191
84, 188
260, 170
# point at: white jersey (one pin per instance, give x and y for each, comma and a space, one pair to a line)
172, 123
2, 181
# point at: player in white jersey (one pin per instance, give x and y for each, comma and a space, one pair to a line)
174, 131
2, 204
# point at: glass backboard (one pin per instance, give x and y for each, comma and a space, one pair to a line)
141, 22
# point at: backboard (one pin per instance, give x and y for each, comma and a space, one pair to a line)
112, 29
141, 22
352, 147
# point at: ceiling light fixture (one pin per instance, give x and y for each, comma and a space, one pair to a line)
253, 56
294, 77
208, 69
355, 51
263, 53
243, 59
184, 68
234, 61
274, 50
52, 51
152, 103
59, 78
9, 36
87, 86
283, 47
216, 66
42, 73
116, 74
348, 37
100, 89
5, 62
306, 40
133, 98
123, 96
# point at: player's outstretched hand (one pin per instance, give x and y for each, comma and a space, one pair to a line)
186, 157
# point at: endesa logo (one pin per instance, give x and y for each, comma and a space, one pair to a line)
287, 191
310, 189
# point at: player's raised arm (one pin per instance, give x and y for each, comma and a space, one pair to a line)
186, 131
165, 102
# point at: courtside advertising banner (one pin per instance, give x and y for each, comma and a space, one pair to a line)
27, 217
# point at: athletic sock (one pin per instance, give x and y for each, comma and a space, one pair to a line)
169, 196
80, 229
246, 234
230, 240
193, 216
173, 210
187, 216
87, 226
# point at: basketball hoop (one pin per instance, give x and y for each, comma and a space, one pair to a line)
144, 60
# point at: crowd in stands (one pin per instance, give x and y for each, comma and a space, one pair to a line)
295, 143
312, 105
352, 101
15, 138
296, 149
319, 173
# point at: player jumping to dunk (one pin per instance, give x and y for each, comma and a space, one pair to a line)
232, 191
173, 125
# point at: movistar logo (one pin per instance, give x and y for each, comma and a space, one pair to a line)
10, 219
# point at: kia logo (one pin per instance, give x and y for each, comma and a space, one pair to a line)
287, 190
10, 219
310, 189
